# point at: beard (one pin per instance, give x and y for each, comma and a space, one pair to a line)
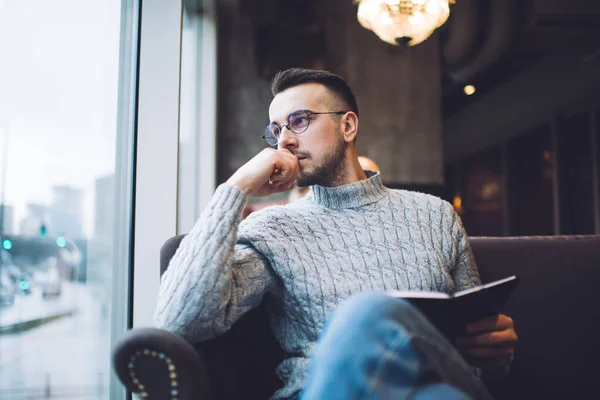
330, 171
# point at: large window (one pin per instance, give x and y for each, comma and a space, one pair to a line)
531, 184
548, 176
481, 187
576, 176
197, 117
65, 109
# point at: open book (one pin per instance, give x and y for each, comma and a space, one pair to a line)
451, 313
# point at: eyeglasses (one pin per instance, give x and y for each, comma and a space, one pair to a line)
298, 122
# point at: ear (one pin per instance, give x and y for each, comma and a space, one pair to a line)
349, 126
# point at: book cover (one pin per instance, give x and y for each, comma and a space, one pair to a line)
451, 313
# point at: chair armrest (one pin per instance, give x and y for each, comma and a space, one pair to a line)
158, 364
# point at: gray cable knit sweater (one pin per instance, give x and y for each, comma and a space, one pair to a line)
305, 258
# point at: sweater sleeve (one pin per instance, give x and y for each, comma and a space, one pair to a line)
212, 280
465, 273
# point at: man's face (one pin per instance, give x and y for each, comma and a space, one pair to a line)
321, 148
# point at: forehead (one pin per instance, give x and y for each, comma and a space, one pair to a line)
308, 96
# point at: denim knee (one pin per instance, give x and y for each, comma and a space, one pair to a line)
370, 307
362, 337
366, 315
375, 343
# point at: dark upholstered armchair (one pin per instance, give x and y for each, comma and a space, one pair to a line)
556, 310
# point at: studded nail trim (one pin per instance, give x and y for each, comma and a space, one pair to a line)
170, 366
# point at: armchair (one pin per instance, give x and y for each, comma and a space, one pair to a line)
555, 309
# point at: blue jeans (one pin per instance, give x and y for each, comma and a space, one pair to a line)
378, 347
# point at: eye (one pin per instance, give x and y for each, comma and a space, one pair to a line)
299, 121
273, 130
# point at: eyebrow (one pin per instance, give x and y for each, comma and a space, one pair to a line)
288, 116
277, 123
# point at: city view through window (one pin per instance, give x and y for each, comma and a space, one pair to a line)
59, 74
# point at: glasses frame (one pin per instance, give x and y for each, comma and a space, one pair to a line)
308, 114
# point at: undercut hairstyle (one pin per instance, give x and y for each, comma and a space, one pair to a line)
297, 76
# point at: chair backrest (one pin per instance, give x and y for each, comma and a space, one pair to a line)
241, 363
168, 251
555, 309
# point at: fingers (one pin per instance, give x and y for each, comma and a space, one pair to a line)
285, 169
490, 344
283, 178
279, 189
280, 185
257, 178
501, 338
495, 323
488, 357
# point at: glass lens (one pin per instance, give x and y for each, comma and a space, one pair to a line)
272, 134
299, 121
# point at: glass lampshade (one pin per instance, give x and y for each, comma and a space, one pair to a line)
403, 21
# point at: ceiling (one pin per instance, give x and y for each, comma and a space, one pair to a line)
486, 43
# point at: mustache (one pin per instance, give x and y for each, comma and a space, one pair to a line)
301, 154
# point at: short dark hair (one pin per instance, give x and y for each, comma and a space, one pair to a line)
297, 76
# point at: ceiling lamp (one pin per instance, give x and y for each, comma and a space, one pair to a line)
406, 22
469, 90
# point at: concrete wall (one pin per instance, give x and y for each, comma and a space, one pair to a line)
243, 98
398, 92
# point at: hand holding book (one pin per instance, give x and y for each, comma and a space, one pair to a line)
489, 343
451, 313
472, 320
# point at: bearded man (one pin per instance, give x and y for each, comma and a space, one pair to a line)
322, 264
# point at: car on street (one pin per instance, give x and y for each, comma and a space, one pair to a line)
48, 279
7, 289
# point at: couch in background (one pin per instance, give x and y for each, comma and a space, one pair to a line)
556, 309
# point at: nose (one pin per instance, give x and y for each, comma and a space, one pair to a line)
287, 139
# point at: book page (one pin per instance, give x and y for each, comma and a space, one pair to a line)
411, 294
482, 287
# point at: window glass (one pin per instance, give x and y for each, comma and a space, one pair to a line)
59, 90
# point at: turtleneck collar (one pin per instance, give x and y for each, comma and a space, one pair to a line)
351, 195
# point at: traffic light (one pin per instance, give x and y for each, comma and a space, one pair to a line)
43, 230
7, 244
61, 241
